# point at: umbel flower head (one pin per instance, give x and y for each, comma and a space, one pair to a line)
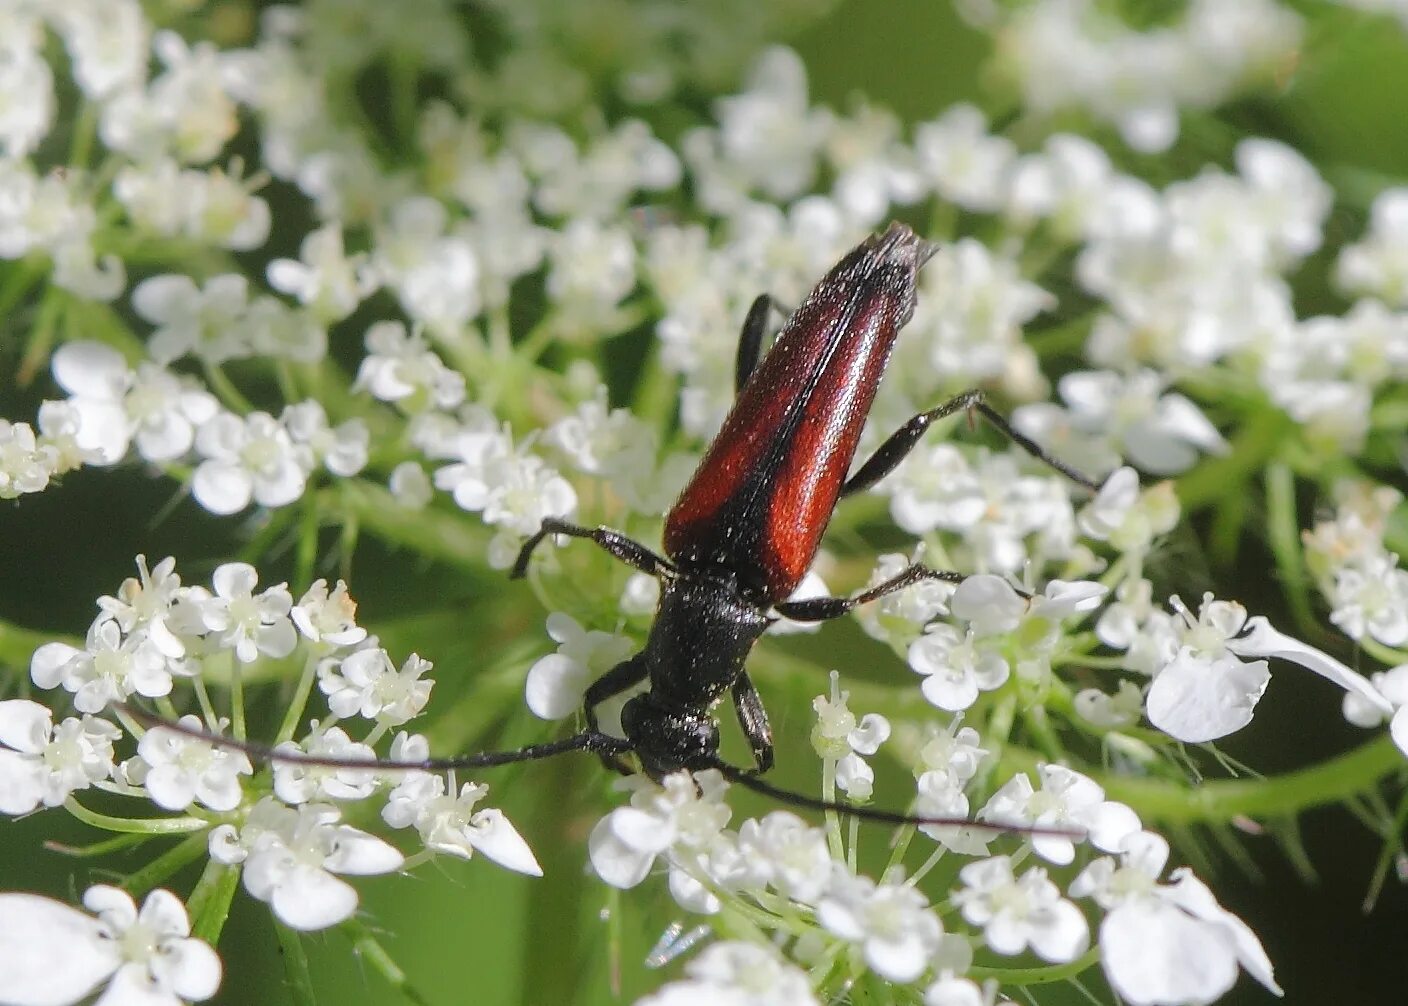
512, 246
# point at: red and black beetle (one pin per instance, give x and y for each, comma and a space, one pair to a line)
748, 524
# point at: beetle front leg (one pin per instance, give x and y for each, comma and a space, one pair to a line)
628, 550
821, 609
902, 441
754, 720
627, 674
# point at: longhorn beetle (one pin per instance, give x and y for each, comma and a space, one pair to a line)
747, 526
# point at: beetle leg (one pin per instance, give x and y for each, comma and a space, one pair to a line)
902, 441
750, 340
820, 609
754, 720
629, 551
624, 675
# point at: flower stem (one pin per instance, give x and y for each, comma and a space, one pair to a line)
135, 826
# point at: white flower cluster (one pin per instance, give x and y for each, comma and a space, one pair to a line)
1073, 53
281, 827
779, 866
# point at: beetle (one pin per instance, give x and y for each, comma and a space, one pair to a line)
745, 530
750, 520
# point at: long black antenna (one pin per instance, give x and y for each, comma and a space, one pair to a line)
593, 741
588, 740
748, 780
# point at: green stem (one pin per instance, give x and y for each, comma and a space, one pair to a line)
188, 850
1225, 799
1038, 976
1283, 531
298, 704
135, 826
209, 903
296, 975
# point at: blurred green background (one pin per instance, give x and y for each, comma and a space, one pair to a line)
472, 933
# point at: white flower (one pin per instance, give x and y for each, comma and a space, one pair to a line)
451, 824
1160, 432
591, 269
290, 855
1017, 913
178, 770
205, 321
1209, 689
1370, 597
299, 782
325, 279
366, 684
837, 733
25, 466
159, 409
1066, 799
956, 666
964, 162
557, 683
897, 930
328, 618
253, 457
435, 274
683, 811
1378, 265
784, 852
144, 602
736, 973
43, 764
1166, 943
247, 623
108, 669
54, 955
342, 450
399, 367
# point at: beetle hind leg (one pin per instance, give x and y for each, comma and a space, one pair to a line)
754, 720
628, 550
888, 456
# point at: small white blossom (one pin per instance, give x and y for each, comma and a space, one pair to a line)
108, 669
956, 666
557, 683
25, 466
399, 367
177, 770
248, 458
299, 782
896, 929
290, 855
324, 278
1017, 913
245, 622
41, 763
1066, 799
206, 321
54, 955
328, 618
683, 812
1166, 943
451, 824
366, 684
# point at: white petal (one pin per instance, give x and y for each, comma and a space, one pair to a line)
21, 783
641, 831
494, 836
361, 854
1064, 937
50, 663
191, 968
1155, 954
50, 954
1197, 700
555, 687
1261, 640
310, 899
614, 862
24, 725
902, 959
221, 488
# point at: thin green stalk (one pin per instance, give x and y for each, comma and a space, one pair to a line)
209, 903
298, 703
187, 851
1214, 800
135, 826
297, 978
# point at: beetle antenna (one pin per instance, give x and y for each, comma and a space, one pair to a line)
749, 780
588, 740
